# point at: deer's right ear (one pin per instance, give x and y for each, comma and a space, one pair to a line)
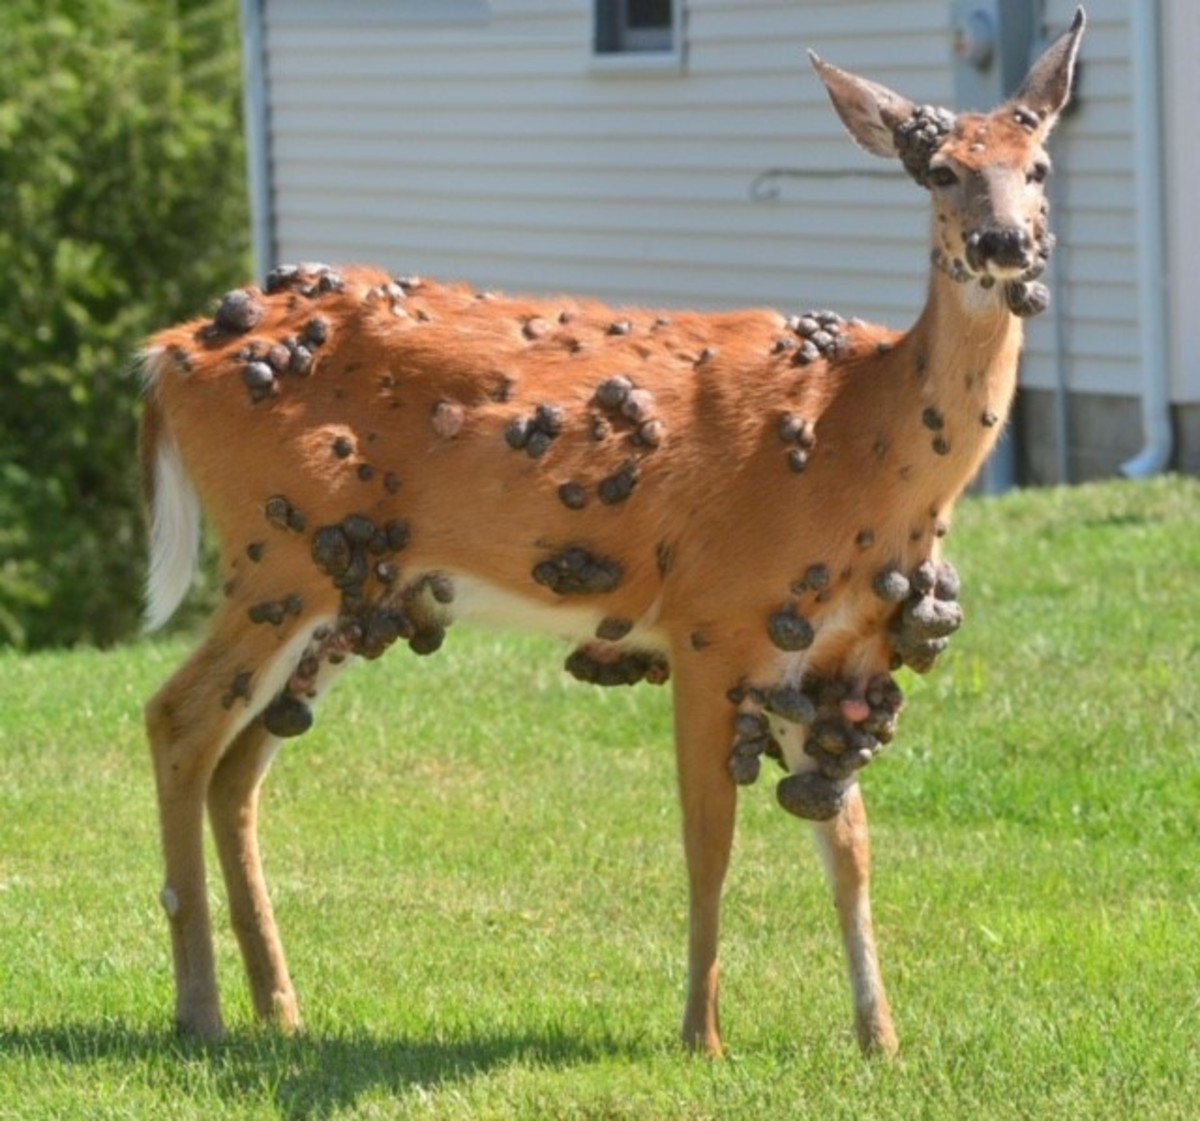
870, 111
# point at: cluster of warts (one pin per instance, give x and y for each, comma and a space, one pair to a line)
263, 364
839, 744
927, 613
355, 554
816, 335
576, 571
618, 406
919, 138
597, 664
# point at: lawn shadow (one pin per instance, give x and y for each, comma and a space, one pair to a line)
309, 1075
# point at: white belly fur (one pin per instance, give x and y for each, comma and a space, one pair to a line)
476, 601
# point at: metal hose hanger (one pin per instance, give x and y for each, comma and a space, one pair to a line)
765, 186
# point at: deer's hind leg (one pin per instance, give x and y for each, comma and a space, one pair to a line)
191, 723
233, 801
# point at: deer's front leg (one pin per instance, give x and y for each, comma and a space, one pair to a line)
708, 796
845, 848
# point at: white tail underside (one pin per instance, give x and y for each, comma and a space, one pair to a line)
174, 528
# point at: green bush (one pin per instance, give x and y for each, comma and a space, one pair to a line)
122, 191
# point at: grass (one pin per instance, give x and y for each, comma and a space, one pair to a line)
477, 872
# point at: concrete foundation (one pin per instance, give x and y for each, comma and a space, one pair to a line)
1102, 433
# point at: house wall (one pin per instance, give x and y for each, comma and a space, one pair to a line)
1181, 85
1092, 213
1099, 333
493, 150
1181, 97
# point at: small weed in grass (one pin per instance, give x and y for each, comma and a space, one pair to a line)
476, 868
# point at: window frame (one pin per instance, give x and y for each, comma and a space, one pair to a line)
635, 50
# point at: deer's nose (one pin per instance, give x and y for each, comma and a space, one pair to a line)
1009, 247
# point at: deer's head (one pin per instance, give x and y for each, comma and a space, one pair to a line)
986, 172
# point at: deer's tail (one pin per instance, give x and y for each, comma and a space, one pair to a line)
172, 505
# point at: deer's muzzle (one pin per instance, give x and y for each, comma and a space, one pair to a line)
1000, 249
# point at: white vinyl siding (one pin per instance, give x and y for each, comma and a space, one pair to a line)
1094, 219
493, 152
1181, 47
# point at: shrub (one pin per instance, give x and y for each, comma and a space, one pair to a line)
122, 185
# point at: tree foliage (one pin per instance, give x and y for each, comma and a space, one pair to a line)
123, 204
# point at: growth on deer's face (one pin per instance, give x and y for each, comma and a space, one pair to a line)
749, 504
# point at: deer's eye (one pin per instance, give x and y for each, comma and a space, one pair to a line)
942, 177
1038, 173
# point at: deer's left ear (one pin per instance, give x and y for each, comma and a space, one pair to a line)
1047, 88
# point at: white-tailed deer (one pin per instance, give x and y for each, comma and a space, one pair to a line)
749, 502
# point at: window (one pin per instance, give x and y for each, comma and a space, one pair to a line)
625, 27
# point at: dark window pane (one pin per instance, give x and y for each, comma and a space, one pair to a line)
624, 26
648, 13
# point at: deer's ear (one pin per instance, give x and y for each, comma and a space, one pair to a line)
1047, 88
870, 111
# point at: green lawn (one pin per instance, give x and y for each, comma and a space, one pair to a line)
477, 873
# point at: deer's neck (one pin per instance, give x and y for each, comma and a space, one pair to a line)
963, 353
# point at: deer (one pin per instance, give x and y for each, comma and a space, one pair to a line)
748, 505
